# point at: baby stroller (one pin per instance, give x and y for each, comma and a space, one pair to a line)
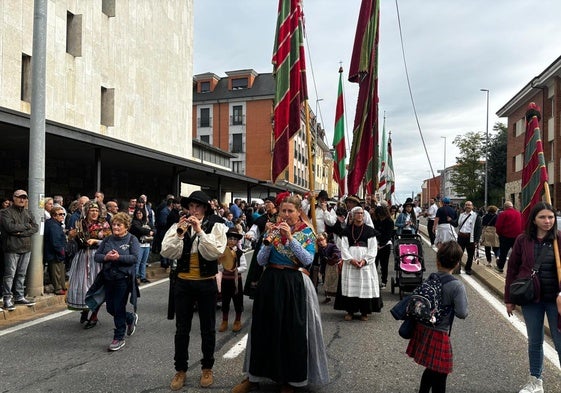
409, 263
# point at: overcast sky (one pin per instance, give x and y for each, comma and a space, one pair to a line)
452, 49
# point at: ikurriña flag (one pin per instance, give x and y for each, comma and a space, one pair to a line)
364, 71
339, 139
289, 70
534, 172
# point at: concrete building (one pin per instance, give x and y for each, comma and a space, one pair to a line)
544, 90
118, 100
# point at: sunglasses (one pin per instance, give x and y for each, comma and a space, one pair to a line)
232, 238
22, 196
57, 214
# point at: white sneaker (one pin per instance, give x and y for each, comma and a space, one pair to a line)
534, 385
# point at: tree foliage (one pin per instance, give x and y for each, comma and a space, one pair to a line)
497, 165
468, 175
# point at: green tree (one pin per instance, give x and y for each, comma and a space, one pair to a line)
468, 175
496, 166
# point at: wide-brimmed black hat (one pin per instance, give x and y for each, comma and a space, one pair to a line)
197, 197
233, 232
323, 195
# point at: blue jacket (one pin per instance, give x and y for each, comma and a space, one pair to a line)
128, 248
54, 241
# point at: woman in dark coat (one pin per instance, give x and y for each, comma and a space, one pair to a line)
384, 225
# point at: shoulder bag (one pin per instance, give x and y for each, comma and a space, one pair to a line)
527, 290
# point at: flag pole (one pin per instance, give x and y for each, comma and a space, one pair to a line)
555, 245
311, 165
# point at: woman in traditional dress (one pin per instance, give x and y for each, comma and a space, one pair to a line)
489, 237
89, 232
329, 257
359, 290
286, 339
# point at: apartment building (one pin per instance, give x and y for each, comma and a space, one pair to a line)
544, 90
235, 113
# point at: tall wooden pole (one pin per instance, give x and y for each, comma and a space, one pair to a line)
311, 165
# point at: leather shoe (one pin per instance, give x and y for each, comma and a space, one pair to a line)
178, 381
349, 317
245, 386
223, 326
206, 378
287, 389
237, 326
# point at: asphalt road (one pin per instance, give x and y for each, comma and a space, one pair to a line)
58, 355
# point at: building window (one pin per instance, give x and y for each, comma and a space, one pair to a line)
108, 7
74, 34
239, 83
205, 87
237, 115
205, 138
107, 106
237, 143
204, 119
237, 167
25, 78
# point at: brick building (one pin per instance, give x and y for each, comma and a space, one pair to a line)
544, 90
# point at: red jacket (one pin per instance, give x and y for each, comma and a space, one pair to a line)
509, 223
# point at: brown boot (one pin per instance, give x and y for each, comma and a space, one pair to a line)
245, 386
287, 389
178, 381
206, 378
237, 326
223, 326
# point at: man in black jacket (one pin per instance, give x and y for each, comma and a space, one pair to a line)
18, 225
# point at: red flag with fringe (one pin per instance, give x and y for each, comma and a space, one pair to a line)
534, 172
339, 139
289, 70
364, 71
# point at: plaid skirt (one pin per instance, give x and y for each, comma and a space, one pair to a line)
431, 348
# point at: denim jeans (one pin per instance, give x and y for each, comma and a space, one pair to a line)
186, 292
534, 319
15, 269
116, 295
141, 263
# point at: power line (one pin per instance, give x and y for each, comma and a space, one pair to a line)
410, 90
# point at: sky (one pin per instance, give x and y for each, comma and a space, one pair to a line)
453, 49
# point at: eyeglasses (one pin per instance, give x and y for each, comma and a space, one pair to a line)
21, 196
232, 238
57, 214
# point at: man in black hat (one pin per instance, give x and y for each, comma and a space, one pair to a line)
196, 241
324, 215
255, 233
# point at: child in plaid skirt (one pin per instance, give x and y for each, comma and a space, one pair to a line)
430, 346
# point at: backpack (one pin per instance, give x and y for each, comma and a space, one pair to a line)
425, 303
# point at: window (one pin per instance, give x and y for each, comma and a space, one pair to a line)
204, 119
74, 34
237, 167
237, 115
239, 83
107, 106
205, 138
108, 7
237, 143
25, 78
205, 87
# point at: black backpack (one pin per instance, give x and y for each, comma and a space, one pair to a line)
425, 303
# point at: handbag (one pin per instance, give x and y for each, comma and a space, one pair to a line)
527, 290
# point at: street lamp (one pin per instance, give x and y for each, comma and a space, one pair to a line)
443, 185
486, 146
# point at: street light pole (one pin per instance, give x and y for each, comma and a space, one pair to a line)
486, 146
443, 185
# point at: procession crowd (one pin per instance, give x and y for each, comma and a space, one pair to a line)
103, 249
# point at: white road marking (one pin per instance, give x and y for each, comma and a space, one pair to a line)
236, 349
34, 322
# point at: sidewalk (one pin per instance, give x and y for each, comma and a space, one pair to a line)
50, 303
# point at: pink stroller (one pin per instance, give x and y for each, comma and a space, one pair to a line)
409, 263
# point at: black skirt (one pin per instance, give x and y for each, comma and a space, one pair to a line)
279, 349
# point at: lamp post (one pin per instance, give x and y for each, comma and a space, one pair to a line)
486, 146
443, 185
